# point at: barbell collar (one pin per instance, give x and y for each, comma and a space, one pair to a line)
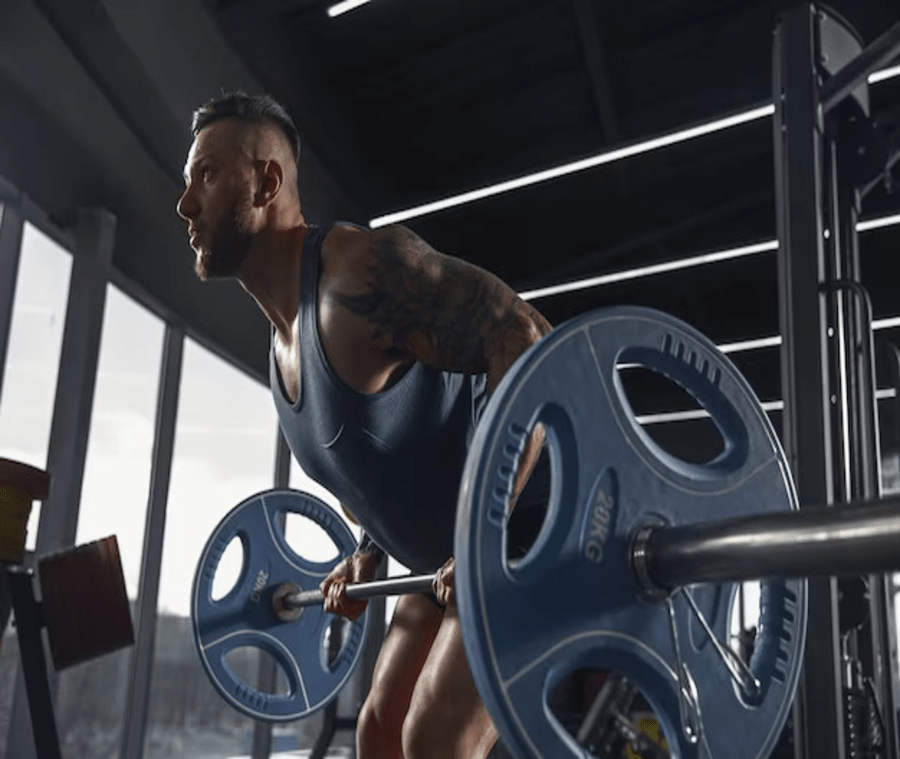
851, 539
392, 586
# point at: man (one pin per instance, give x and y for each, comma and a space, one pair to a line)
383, 353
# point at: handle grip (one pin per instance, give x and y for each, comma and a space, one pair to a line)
392, 586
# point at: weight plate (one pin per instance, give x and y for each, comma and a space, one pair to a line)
243, 617
573, 601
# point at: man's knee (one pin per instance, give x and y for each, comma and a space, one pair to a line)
421, 728
367, 725
429, 731
379, 720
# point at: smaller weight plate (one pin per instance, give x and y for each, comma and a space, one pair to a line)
244, 618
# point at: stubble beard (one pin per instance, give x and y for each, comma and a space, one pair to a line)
224, 253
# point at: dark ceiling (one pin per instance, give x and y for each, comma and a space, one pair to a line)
401, 103
407, 103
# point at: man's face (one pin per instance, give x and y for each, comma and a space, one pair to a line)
217, 201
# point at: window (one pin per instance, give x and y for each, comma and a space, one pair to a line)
27, 395
120, 447
114, 502
224, 452
32, 362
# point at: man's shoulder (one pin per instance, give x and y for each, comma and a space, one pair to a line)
347, 242
344, 234
346, 252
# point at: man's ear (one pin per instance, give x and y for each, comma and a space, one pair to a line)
271, 182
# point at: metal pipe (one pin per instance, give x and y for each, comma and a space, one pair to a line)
883, 50
392, 586
842, 540
34, 664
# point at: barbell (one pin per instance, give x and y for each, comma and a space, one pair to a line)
635, 569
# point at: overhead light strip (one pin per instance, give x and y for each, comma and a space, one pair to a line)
747, 250
695, 414
647, 271
699, 413
881, 76
683, 263
344, 7
612, 156
886, 323
749, 345
576, 166
884, 221
775, 340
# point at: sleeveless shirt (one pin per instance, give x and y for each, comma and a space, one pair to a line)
393, 458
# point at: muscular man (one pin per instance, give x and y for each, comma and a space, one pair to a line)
383, 353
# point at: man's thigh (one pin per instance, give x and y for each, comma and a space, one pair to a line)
445, 701
409, 638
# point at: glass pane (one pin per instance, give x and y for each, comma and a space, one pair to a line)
120, 447
114, 502
224, 452
90, 706
32, 363
29, 387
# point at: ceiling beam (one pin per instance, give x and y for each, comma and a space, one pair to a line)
594, 53
90, 34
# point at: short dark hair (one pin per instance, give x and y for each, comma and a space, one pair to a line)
240, 105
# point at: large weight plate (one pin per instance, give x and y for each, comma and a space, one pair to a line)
244, 618
573, 602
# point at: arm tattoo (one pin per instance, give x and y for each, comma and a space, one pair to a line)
453, 317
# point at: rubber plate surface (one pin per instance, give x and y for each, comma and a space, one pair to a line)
573, 601
243, 616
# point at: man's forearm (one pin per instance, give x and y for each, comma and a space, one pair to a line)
528, 327
368, 546
504, 344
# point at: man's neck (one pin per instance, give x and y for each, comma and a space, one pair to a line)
271, 275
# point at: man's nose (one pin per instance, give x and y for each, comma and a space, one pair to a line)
186, 206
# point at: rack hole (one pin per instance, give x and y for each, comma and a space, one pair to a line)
606, 715
527, 518
335, 639
228, 570
670, 416
308, 539
744, 620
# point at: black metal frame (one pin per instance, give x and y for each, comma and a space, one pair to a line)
820, 76
29, 621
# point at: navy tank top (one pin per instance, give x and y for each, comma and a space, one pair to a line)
394, 459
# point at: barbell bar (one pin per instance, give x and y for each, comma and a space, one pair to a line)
391, 586
852, 539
